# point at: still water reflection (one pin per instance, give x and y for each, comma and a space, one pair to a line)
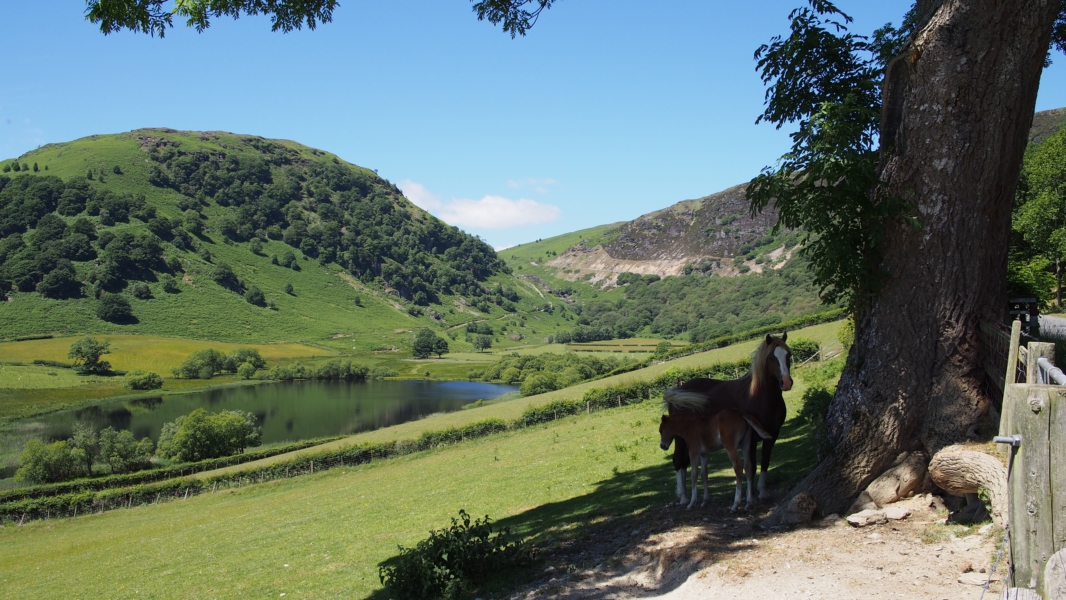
287, 411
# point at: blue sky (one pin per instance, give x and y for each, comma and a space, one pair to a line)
598, 115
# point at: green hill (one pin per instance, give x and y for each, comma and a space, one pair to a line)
203, 233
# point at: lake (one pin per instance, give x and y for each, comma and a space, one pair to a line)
286, 411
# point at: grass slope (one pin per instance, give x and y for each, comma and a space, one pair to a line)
324, 301
325, 535
823, 334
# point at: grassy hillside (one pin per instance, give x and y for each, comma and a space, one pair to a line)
325, 535
172, 210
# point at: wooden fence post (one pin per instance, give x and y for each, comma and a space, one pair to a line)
1009, 377
1036, 351
1030, 485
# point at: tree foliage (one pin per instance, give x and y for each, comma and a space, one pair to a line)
827, 80
426, 342
142, 380
200, 435
1040, 218
151, 17
86, 354
122, 453
48, 463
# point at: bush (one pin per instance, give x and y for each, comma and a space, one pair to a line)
47, 463
802, 349
816, 400
114, 308
846, 333
240, 356
453, 561
342, 370
246, 370
200, 435
256, 246
202, 365
142, 380
122, 453
255, 296
381, 372
170, 285
539, 383
141, 291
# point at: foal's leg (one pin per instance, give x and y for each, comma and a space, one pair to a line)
681, 463
682, 498
694, 457
767, 447
738, 470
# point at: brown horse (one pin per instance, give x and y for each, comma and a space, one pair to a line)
729, 429
757, 394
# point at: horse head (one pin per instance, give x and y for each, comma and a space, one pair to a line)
666, 434
778, 360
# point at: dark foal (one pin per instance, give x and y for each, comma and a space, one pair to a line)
758, 394
729, 429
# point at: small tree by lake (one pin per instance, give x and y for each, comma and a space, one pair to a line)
86, 353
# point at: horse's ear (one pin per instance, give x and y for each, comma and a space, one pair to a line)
769, 340
784, 337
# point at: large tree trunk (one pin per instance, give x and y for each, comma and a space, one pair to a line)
958, 105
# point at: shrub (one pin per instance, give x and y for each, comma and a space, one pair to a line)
539, 383
453, 561
122, 453
246, 370
381, 372
142, 380
255, 296
802, 349
114, 308
202, 365
47, 463
289, 290
256, 245
141, 291
200, 435
117, 170
170, 285
846, 333
342, 370
235, 359
816, 400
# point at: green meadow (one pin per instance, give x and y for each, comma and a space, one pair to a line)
325, 535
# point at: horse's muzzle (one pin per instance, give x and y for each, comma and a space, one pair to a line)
664, 445
786, 385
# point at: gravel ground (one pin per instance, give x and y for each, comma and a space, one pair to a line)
709, 553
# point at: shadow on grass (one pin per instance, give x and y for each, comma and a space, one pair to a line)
615, 529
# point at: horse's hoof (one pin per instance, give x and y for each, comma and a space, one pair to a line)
765, 496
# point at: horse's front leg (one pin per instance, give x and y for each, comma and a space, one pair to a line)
767, 447
703, 467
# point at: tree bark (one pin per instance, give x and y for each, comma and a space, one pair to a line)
958, 104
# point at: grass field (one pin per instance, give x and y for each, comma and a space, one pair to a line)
149, 353
325, 535
824, 334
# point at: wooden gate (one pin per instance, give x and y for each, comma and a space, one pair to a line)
1033, 425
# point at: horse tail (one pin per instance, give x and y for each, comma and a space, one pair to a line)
757, 426
677, 398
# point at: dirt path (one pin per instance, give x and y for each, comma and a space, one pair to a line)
708, 553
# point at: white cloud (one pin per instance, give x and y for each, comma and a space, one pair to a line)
419, 195
539, 185
497, 212
490, 212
